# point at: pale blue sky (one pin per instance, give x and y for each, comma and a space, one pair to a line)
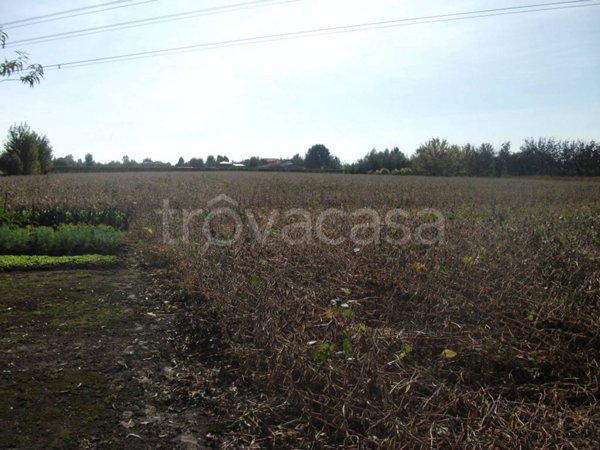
491, 79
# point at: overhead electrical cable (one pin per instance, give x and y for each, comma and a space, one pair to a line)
29, 19
150, 21
321, 32
219, 9
72, 13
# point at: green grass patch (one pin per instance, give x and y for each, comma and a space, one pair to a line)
38, 262
64, 240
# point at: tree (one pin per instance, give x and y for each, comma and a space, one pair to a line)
580, 158
89, 160
541, 157
196, 163
65, 161
298, 160
44, 154
503, 163
479, 161
180, 162
319, 157
374, 160
26, 152
11, 164
334, 163
210, 161
438, 158
34, 72
253, 162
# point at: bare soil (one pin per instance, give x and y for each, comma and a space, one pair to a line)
87, 361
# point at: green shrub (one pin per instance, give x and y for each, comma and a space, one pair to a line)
14, 241
64, 240
44, 240
108, 238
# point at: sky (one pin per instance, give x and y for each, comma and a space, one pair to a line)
492, 79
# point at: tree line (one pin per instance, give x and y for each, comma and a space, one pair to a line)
535, 157
28, 153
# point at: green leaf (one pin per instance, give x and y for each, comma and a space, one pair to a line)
346, 291
254, 279
406, 348
322, 352
347, 347
347, 313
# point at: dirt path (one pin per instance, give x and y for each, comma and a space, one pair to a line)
86, 362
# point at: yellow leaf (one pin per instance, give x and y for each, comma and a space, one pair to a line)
449, 354
329, 313
420, 267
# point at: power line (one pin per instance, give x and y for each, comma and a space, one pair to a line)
64, 12
202, 12
67, 14
323, 32
150, 21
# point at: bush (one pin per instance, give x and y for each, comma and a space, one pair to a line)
44, 240
65, 240
14, 241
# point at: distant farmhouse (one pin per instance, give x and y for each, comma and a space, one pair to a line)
230, 164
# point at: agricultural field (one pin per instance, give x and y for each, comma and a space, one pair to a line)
316, 310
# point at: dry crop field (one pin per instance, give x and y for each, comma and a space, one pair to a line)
326, 310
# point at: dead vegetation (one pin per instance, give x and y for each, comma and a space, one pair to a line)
487, 340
